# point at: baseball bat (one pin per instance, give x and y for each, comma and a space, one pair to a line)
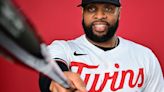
19, 39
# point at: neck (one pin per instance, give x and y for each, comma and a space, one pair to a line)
108, 44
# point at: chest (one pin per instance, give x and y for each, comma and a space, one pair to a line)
107, 72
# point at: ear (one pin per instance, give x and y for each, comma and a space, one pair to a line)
82, 10
119, 10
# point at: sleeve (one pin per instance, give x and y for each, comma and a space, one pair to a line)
44, 81
155, 81
59, 55
59, 50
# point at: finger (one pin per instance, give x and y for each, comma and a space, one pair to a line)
80, 85
77, 81
59, 88
55, 87
52, 87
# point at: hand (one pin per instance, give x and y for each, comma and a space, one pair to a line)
76, 83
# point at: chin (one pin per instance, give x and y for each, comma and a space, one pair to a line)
100, 34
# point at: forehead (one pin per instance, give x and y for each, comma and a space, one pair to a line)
100, 5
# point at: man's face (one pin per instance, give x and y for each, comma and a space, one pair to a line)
100, 21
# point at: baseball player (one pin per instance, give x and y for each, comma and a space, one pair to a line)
104, 61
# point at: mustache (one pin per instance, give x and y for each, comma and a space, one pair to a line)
92, 23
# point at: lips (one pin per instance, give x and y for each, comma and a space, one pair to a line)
100, 26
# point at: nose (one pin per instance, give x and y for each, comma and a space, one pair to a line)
100, 15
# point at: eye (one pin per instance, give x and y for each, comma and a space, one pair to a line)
108, 9
91, 9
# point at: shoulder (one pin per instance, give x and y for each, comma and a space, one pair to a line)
58, 43
138, 51
136, 47
66, 43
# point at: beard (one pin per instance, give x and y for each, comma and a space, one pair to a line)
90, 34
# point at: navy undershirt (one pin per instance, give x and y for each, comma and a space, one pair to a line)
106, 48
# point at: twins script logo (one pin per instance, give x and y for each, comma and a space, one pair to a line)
112, 77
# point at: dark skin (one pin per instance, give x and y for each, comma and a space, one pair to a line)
74, 79
92, 13
109, 13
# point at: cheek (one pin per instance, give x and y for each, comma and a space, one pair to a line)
112, 19
87, 20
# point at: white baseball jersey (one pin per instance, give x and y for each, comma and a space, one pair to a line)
129, 67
